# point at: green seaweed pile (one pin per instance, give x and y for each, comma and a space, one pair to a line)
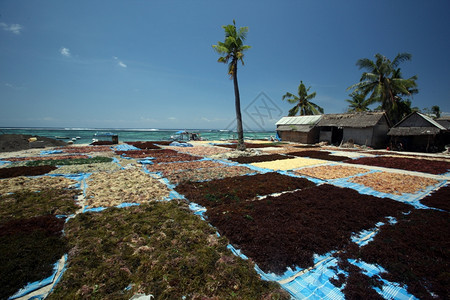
63, 162
27, 204
159, 248
31, 239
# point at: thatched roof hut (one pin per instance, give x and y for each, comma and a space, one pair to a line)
363, 128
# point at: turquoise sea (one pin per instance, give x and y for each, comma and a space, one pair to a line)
87, 134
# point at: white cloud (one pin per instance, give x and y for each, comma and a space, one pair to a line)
119, 62
14, 87
172, 118
65, 52
14, 28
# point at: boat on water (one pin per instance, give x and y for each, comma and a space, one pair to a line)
184, 135
62, 137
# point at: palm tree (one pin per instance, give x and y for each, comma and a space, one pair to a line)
302, 102
436, 110
232, 51
358, 103
383, 81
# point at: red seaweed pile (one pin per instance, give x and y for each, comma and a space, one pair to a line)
325, 155
409, 164
286, 231
25, 171
439, 199
238, 189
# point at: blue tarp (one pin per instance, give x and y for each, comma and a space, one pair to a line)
177, 144
46, 152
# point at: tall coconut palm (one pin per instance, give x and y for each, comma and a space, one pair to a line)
302, 102
384, 82
358, 103
232, 51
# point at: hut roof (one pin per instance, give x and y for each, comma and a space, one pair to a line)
416, 124
299, 120
355, 120
404, 131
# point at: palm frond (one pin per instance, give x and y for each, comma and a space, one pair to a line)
365, 63
401, 57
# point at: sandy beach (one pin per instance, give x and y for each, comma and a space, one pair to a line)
210, 222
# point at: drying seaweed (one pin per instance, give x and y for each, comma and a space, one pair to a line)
27, 204
357, 284
259, 158
28, 250
160, 249
325, 155
439, 199
410, 164
25, 171
21, 183
76, 161
144, 145
415, 251
251, 145
101, 143
285, 231
241, 188
208, 174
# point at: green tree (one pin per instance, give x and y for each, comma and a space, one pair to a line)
302, 102
232, 51
384, 82
358, 103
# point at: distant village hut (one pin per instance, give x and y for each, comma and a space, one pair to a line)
419, 132
300, 129
362, 128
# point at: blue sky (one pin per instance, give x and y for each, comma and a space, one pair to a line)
150, 64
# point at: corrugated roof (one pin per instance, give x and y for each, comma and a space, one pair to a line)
407, 131
356, 120
433, 122
299, 120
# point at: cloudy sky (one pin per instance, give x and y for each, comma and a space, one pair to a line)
150, 64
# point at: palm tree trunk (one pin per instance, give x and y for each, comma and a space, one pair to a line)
240, 131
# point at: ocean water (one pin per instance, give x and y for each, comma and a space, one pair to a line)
87, 134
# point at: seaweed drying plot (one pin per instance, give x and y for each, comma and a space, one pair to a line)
201, 170
85, 149
325, 155
238, 189
439, 199
201, 150
144, 145
208, 174
330, 172
259, 158
409, 164
28, 249
131, 186
394, 183
414, 252
160, 249
286, 231
163, 155
289, 164
74, 161
17, 184
27, 204
250, 145
25, 171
